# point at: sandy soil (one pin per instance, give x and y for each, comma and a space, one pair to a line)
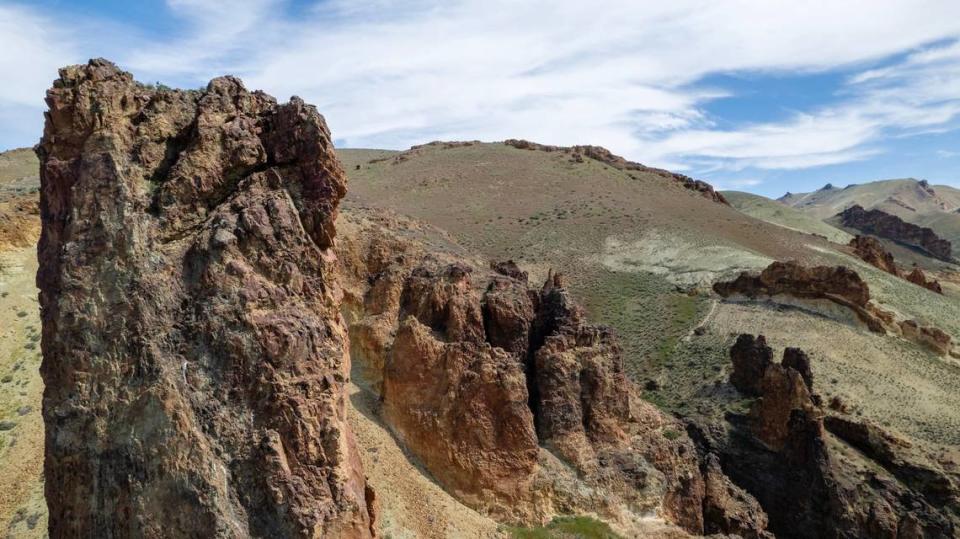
23, 512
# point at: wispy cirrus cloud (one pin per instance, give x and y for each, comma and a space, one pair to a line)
623, 74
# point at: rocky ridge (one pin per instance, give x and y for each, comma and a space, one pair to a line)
605, 156
194, 356
883, 224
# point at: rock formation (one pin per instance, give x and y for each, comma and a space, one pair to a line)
514, 402
919, 278
871, 251
780, 453
837, 284
889, 226
194, 357
607, 157
458, 403
750, 356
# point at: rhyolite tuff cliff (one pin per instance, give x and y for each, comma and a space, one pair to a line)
194, 356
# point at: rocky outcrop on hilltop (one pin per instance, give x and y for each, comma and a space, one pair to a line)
839, 285
194, 356
871, 251
780, 452
605, 156
889, 226
515, 403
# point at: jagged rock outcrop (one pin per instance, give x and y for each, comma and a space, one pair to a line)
836, 283
871, 251
605, 156
889, 226
523, 410
458, 403
780, 453
727, 508
839, 285
194, 357
750, 356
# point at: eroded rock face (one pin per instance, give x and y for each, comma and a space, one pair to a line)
524, 410
885, 225
457, 402
919, 278
194, 355
727, 508
781, 454
838, 284
750, 356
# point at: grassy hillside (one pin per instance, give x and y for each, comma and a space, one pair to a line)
641, 251
778, 213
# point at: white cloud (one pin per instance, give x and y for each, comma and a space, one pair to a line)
622, 74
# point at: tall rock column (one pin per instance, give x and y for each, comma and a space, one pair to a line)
193, 352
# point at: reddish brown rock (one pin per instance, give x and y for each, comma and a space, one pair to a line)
872, 252
838, 284
193, 352
918, 277
889, 226
931, 337
783, 393
798, 360
509, 308
461, 407
444, 302
727, 508
780, 454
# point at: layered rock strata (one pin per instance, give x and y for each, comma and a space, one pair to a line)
838, 285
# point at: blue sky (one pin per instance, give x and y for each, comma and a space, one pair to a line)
765, 95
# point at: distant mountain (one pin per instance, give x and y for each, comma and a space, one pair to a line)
914, 201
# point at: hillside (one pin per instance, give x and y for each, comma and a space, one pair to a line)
778, 213
914, 201
641, 252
